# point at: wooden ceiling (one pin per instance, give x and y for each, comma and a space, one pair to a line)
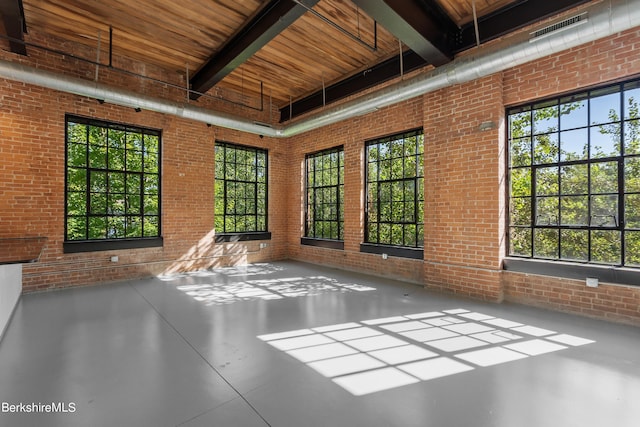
323, 46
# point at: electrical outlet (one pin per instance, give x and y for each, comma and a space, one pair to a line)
592, 282
115, 258
385, 256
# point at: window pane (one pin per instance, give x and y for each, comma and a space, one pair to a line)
631, 99
520, 124
632, 137
521, 182
76, 228
574, 210
545, 120
574, 179
545, 244
573, 113
604, 177
545, 148
575, 245
605, 141
76, 179
76, 155
116, 138
632, 248
547, 181
76, 204
76, 132
520, 211
632, 210
604, 211
547, 211
97, 157
632, 175
520, 241
574, 145
97, 227
521, 152
604, 108
605, 247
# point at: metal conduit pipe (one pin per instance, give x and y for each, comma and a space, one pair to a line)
604, 19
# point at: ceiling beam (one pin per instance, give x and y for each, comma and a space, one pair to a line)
371, 77
419, 25
14, 24
510, 18
270, 21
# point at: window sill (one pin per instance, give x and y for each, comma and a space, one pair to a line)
71, 247
322, 243
397, 251
242, 237
571, 270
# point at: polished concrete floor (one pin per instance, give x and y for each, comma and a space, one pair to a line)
290, 344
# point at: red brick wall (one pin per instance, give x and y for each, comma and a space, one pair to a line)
351, 134
463, 184
608, 60
465, 187
32, 150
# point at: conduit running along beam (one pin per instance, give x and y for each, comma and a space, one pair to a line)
604, 19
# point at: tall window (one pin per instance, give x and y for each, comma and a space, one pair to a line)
325, 195
395, 190
575, 177
112, 181
240, 189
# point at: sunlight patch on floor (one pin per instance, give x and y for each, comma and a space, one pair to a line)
380, 354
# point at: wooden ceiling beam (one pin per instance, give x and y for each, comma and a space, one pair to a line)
14, 24
510, 18
418, 24
270, 21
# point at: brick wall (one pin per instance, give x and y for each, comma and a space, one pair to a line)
32, 151
351, 134
465, 187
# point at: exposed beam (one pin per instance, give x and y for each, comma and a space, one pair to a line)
270, 21
511, 18
371, 77
419, 25
14, 24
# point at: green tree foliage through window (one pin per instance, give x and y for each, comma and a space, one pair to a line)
240, 188
324, 213
112, 181
575, 177
395, 190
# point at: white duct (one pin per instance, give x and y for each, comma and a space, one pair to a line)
604, 19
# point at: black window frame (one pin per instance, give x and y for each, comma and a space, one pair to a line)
320, 167
221, 178
596, 223
373, 208
122, 207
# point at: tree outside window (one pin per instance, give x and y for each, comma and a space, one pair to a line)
240, 188
112, 181
395, 190
575, 177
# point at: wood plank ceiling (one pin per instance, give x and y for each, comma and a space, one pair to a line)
326, 42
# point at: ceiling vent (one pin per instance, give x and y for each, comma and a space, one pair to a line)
567, 24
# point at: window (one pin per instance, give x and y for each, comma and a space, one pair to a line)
395, 190
112, 185
241, 191
575, 177
324, 213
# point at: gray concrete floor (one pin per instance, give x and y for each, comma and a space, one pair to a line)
291, 344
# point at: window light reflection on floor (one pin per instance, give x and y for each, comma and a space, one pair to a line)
219, 291
381, 354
